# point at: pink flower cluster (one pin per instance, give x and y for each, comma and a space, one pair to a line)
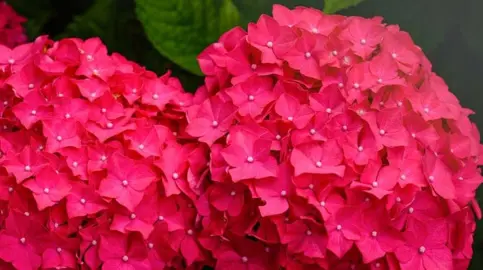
333, 146
317, 142
12, 32
84, 139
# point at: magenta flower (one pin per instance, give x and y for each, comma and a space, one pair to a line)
119, 251
126, 181
21, 241
425, 246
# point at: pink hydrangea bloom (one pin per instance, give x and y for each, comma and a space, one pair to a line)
80, 141
354, 153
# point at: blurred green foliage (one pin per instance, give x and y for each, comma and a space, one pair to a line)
168, 34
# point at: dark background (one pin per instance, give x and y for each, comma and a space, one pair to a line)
449, 31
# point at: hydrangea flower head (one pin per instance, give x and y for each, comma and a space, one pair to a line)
350, 152
81, 135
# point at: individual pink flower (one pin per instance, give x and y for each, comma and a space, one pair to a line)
158, 93
303, 55
365, 35
408, 162
92, 88
28, 79
106, 108
126, 181
147, 139
244, 61
101, 67
324, 197
140, 220
119, 251
358, 83
377, 238
318, 158
227, 197
286, 16
76, 160
305, 237
33, 109
49, 66
252, 96
377, 180
91, 48
268, 36
249, 157
25, 164
398, 45
328, 100
48, 187
313, 131
335, 49
421, 206
290, 109
60, 253
111, 128
15, 56
83, 201
360, 147
99, 155
425, 246
130, 85
61, 134
340, 126
66, 52
76, 109
343, 228
20, 242
383, 69
388, 128
438, 176
211, 120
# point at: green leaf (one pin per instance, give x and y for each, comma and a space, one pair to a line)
37, 12
229, 15
332, 6
181, 29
